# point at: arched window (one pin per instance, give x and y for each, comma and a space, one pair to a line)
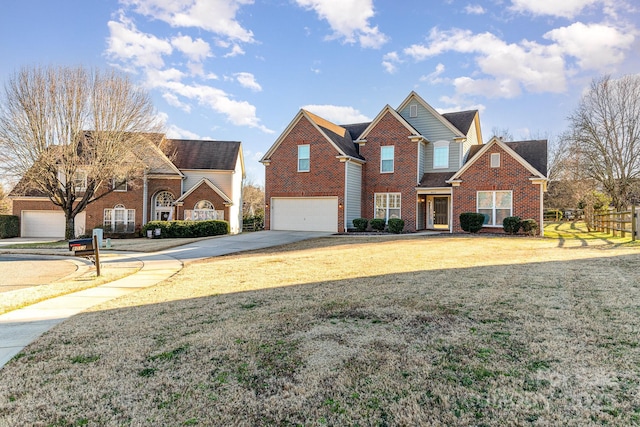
163, 206
203, 205
441, 155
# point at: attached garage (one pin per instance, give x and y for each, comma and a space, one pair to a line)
304, 213
48, 224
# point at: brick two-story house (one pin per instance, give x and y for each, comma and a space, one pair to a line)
411, 163
184, 179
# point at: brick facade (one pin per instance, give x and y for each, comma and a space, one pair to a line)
511, 175
389, 131
325, 177
203, 192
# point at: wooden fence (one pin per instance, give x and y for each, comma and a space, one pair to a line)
618, 223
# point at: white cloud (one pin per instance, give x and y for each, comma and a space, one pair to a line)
174, 101
235, 51
458, 104
134, 48
248, 80
349, 19
196, 50
337, 114
217, 16
596, 46
474, 9
508, 67
560, 8
239, 113
434, 77
390, 62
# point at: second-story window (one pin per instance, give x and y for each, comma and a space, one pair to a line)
120, 184
441, 155
386, 158
80, 181
303, 158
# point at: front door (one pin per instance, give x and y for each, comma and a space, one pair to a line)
440, 212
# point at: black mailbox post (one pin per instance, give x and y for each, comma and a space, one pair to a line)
81, 247
87, 248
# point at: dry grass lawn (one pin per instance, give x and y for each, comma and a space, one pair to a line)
457, 330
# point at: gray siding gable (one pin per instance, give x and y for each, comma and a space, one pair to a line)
434, 130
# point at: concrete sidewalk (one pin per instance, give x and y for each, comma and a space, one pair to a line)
20, 327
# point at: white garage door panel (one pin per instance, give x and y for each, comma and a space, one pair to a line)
48, 224
305, 214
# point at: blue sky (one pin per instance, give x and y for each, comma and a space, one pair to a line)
241, 69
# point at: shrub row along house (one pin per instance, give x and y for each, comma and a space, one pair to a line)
411, 163
183, 179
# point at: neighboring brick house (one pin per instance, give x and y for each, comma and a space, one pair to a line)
184, 179
411, 163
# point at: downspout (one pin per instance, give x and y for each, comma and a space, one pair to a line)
346, 187
145, 191
541, 210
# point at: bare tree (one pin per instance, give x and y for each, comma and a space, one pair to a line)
68, 132
605, 132
252, 199
504, 134
4, 202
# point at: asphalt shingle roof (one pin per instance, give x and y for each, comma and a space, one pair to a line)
197, 154
435, 179
533, 151
461, 119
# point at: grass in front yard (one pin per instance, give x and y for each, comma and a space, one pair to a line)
570, 232
467, 330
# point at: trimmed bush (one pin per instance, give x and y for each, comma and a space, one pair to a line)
377, 224
511, 224
9, 226
173, 229
471, 222
360, 224
530, 226
396, 225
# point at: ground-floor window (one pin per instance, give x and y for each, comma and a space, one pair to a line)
202, 211
495, 206
119, 220
387, 205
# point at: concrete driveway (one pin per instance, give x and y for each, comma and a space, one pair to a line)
224, 245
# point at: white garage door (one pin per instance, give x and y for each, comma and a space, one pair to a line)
304, 213
48, 224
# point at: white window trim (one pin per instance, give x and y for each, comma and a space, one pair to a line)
441, 144
129, 216
392, 159
493, 205
386, 215
495, 160
304, 158
413, 110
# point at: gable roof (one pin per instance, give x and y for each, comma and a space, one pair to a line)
340, 137
414, 96
205, 181
527, 153
381, 114
202, 154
